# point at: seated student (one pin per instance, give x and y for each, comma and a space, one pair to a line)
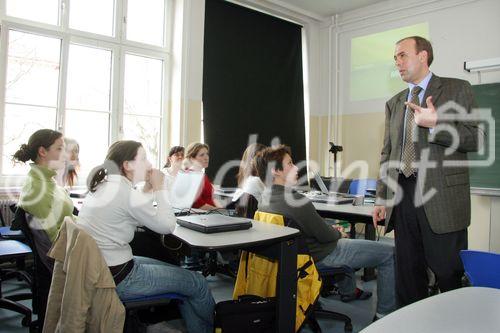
197, 158
249, 184
174, 163
40, 196
147, 243
112, 211
328, 246
67, 176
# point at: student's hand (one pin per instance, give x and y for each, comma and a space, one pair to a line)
340, 229
156, 179
147, 185
378, 215
424, 117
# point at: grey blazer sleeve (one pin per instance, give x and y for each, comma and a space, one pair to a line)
467, 130
385, 154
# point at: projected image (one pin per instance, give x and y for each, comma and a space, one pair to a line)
373, 73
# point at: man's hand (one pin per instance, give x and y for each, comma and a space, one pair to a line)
378, 215
424, 117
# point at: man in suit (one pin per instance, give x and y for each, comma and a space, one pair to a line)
423, 189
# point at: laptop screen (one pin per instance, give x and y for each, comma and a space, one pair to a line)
185, 189
321, 183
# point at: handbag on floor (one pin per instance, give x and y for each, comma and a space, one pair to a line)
249, 313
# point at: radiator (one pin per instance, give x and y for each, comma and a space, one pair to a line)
7, 214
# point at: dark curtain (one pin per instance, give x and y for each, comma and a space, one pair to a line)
252, 83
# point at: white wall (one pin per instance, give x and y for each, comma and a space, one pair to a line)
459, 31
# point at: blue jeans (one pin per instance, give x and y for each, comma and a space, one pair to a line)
360, 253
152, 277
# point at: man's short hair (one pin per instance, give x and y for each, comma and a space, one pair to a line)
271, 157
421, 44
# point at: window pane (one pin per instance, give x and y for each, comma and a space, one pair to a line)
90, 130
92, 15
46, 11
19, 123
32, 69
145, 130
143, 85
145, 23
89, 78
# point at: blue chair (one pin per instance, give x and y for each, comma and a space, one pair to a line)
329, 276
360, 186
11, 250
482, 268
7, 233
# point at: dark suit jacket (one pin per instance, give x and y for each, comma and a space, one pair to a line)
448, 209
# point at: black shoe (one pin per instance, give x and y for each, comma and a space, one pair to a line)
358, 295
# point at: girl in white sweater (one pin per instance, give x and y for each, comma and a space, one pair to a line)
112, 212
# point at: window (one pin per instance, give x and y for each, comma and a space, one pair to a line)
142, 102
45, 11
32, 66
79, 67
145, 23
95, 16
88, 102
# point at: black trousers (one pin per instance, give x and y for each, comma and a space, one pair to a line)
418, 247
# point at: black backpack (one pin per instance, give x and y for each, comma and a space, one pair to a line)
248, 314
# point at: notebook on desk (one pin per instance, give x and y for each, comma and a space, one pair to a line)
211, 223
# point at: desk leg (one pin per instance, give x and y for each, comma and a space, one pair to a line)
287, 287
352, 232
369, 273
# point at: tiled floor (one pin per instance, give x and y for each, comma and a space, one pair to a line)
361, 312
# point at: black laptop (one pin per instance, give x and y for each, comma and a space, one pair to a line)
211, 223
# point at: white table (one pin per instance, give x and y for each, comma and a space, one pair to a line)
260, 233
465, 310
360, 213
269, 240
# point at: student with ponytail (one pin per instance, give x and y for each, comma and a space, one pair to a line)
111, 213
40, 195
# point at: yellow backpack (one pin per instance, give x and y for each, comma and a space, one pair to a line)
257, 275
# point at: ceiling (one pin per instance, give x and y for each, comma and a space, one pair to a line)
328, 7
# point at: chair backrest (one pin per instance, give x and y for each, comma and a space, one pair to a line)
359, 186
36, 238
257, 274
42, 274
2, 220
246, 206
482, 268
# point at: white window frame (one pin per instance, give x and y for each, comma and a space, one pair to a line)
117, 44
